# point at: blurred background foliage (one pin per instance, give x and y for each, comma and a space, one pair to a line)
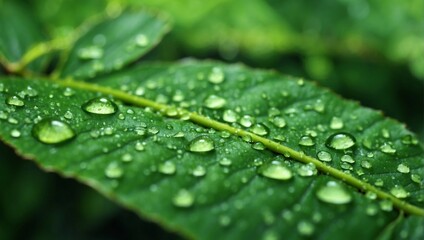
368, 50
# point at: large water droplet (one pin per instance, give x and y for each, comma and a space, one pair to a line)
183, 199
15, 101
92, 52
100, 105
340, 141
201, 144
275, 170
324, 156
52, 131
15, 133
333, 193
306, 141
259, 129
113, 170
214, 102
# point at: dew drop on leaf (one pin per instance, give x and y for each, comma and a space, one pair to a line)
127, 157
399, 192
52, 131
347, 159
15, 101
340, 141
306, 141
259, 129
386, 205
275, 170
416, 178
386, 148
100, 105
333, 193
229, 116
91, 52
139, 146
214, 102
113, 170
183, 199
247, 121
307, 170
258, 146
15, 133
141, 40
216, 76
324, 156
199, 171
201, 144
68, 115
305, 228
279, 122
402, 168
225, 162
167, 168
336, 123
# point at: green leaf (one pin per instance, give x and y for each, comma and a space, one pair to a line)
205, 176
102, 50
20, 32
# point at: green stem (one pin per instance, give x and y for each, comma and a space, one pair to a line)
271, 145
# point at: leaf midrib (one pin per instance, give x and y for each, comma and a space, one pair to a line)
269, 144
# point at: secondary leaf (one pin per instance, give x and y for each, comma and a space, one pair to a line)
102, 49
188, 176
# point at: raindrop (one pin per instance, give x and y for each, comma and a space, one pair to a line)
275, 170
92, 52
386, 205
306, 141
141, 40
279, 122
199, 171
127, 157
229, 116
402, 168
333, 193
371, 210
307, 170
167, 168
324, 156
416, 178
183, 199
100, 105
258, 146
386, 148
336, 123
259, 129
15, 101
214, 102
366, 164
305, 228
399, 192
15, 133
247, 121
340, 141
201, 144
347, 159
113, 170
68, 115
225, 162
52, 131
3, 115
216, 76
68, 92
139, 146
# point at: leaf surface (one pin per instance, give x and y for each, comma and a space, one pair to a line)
145, 160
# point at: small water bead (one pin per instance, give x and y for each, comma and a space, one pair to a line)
230, 116
15, 133
333, 193
225, 162
371, 210
409, 139
141, 40
247, 121
153, 130
68, 115
307, 170
201, 144
68, 92
379, 182
139, 146
183, 199
12, 120
340, 141
416, 178
127, 157
371, 195
306, 141
29, 91
258, 146
224, 220
15, 101
336, 123
91, 52
366, 164
402, 168
275, 170
179, 135
386, 148
324, 156
108, 131
167, 168
1, 87
347, 159
100, 105
52, 131
279, 122
113, 170
259, 129
399, 192
3, 115
305, 228
214, 102
216, 76
386, 205
199, 171
385, 133
346, 166
171, 112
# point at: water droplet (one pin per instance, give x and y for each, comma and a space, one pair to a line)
247, 121
52, 131
336, 123
3, 115
127, 157
305, 228
100, 105
275, 170
229, 116
371, 210
214, 102
216, 76
113, 170
347, 159
15, 101
224, 220
366, 164
68, 92
402, 168
201, 144
91, 52
371, 195
333, 193
15, 133
307, 170
306, 141
183, 199
385, 133
258, 146
225, 162
340, 141
409, 139
141, 40
324, 156
259, 129
68, 115
139, 146
167, 168
199, 171
279, 122
399, 192
416, 178
386, 148
386, 205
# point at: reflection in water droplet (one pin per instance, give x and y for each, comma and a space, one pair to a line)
127, 157
52, 131
306, 141
333, 193
275, 170
340, 141
100, 105
324, 156
15, 101
386, 205
214, 102
183, 199
201, 144
113, 170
